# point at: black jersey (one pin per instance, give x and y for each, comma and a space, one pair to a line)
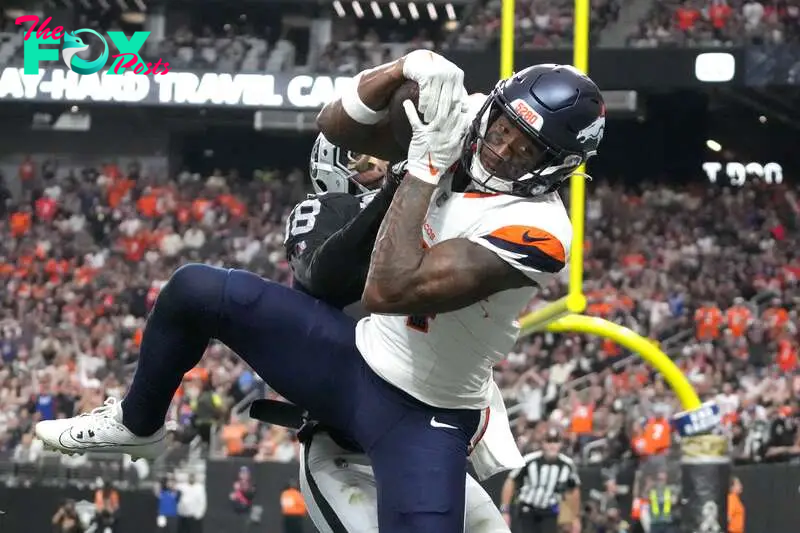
329, 240
309, 227
314, 220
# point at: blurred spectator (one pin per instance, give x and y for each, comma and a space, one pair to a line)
736, 511
28, 450
783, 443
106, 506
293, 508
606, 505
66, 519
192, 505
206, 406
244, 490
168, 496
664, 502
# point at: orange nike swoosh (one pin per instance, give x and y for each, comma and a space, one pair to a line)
433, 170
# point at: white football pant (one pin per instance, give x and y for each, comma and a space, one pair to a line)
339, 490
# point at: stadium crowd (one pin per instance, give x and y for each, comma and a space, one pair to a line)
85, 251
538, 23
717, 23
683, 266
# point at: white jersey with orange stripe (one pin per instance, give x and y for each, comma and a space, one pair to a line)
446, 360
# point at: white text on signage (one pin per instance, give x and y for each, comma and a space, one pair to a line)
211, 89
739, 173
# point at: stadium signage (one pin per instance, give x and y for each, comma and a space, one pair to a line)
174, 88
698, 421
738, 173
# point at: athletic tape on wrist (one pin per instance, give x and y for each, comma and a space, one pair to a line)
422, 173
427, 178
358, 110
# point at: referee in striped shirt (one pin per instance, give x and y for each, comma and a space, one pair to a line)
548, 482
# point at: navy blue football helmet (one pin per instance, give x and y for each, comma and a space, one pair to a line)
558, 108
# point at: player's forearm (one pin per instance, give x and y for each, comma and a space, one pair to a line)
324, 277
405, 278
398, 251
377, 85
375, 89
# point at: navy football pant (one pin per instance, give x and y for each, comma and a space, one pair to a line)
305, 350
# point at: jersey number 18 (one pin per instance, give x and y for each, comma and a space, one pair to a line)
302, 218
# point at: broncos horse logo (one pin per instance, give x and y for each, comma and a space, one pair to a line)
74, 44
593, 132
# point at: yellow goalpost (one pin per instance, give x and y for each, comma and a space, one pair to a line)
565, 314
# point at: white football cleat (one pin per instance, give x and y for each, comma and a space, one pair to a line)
99, 431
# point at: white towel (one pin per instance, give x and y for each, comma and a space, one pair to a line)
497, 450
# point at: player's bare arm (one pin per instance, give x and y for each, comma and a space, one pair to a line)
407, 278
359, 120
375, 89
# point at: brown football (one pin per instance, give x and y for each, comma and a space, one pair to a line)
397, 115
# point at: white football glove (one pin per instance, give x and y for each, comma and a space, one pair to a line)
436, 146
441, 83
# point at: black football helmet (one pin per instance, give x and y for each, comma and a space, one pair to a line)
558, 108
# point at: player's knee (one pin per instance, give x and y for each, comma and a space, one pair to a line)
192, 289
245, 288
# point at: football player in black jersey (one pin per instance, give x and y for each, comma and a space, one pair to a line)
330, 235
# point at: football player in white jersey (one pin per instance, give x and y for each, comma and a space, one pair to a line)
410, 384
492, 229
329, 256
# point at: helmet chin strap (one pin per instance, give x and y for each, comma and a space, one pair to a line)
484, 180
487, 182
